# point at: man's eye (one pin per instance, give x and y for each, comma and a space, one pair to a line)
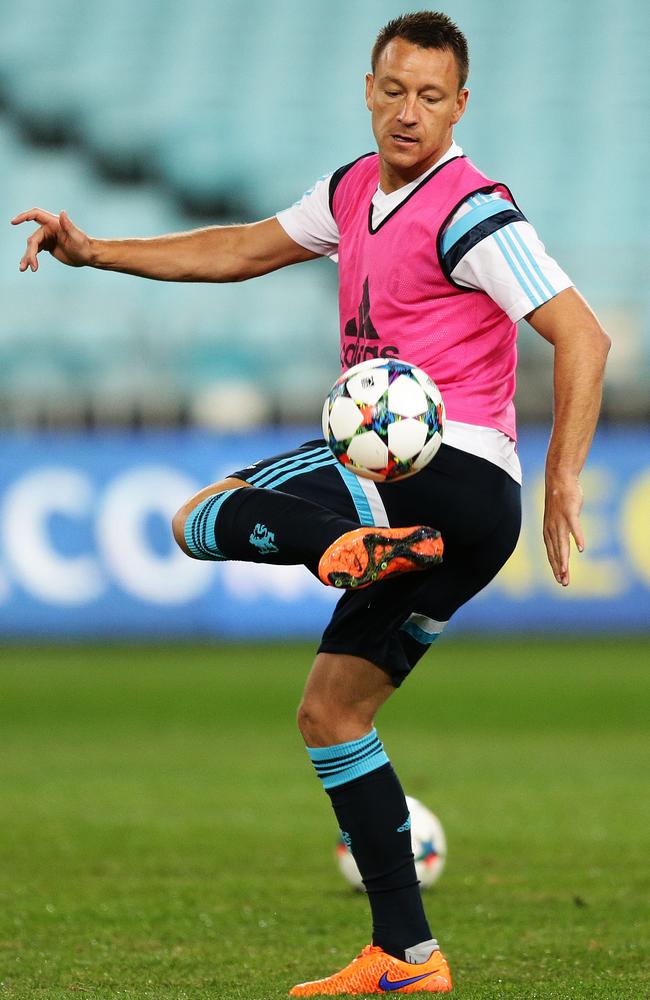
392, 93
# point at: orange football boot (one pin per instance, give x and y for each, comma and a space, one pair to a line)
374, 971
364, 555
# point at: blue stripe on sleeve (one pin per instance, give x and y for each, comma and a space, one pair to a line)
514, 268
507, 235
526, 249
513, 234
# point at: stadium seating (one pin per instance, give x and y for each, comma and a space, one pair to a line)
145, 117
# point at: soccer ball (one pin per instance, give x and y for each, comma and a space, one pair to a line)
429, 848
384, 419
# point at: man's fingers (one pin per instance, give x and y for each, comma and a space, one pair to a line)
551, 552
33, 215
556, 540
29, 260
36, 241
558, 547
561, 560
561, 521
564, 558
64, 222
34, 244
578, 536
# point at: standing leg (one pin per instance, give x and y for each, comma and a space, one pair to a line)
336, 717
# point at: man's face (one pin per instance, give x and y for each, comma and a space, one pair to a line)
415, 102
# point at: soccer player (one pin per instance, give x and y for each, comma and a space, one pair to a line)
437, 263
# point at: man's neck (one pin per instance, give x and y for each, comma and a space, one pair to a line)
391, 180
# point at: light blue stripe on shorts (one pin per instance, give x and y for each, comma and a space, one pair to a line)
423, 629
263, 477
359, 498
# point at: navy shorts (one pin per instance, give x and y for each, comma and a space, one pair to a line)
473, 503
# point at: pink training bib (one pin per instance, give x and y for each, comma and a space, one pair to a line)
395, 299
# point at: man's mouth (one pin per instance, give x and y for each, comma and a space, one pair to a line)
406, 140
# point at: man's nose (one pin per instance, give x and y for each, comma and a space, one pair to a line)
408, 112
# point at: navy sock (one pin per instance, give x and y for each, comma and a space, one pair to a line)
258, 525
374, 820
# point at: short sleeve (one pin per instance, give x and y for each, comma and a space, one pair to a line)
489, 246
310, 222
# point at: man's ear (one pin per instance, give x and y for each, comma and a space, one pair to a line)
461, 104
370, 83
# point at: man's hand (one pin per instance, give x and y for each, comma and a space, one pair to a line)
581, 347
58, 235
562, 507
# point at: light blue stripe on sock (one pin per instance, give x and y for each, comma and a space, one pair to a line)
338, 750
343, 752
359, 498
200, 526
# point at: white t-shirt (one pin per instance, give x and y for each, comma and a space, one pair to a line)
510, 265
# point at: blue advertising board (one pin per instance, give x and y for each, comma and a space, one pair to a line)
86, 548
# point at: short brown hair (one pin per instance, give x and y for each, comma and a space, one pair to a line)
430, 30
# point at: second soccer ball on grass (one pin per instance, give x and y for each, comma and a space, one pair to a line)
384, 419
427, 839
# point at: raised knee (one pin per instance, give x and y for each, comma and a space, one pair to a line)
178, 529
180, 517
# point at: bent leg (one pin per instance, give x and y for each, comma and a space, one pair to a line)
336, 716
309, 472
254, 524
257, 522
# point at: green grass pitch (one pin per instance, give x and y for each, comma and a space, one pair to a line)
162, 834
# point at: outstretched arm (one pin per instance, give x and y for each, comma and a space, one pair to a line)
217, 253
581, 347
